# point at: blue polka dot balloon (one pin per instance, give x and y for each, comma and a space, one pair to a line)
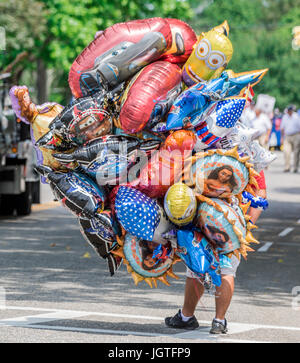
140, 215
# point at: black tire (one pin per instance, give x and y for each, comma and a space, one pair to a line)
7, 204
24, 201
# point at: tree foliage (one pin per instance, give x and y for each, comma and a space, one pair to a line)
56, 31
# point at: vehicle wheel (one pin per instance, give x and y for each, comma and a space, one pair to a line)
24, 201
7, 204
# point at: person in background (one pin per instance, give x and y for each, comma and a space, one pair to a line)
275, 132
262, 123
290, 138
248, 114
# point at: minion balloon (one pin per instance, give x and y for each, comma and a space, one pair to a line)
210, 56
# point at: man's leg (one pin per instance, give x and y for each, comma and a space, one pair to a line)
296, 152
224, 295
193, 292
287, 151
185, 318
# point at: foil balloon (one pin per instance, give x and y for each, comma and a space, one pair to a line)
143, 135
114, 263
107, 159
183, 40
212, 53
149, 96
142, 258
238, 82
255, 201
82, 120
198, 256
166, 166
38, 117
100, 232
123, 49
220, 122
118, 53
109, 144
140, 215
221, 174
180, 204
240, 135
191, 106
259, 156
77, 192
225, 227
192, 103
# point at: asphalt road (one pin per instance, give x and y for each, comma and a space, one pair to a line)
54, 288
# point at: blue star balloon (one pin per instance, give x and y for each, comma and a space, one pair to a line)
189, 107
193, 105
220, 122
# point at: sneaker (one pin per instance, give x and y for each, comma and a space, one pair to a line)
218, 328
286, 170
176, 322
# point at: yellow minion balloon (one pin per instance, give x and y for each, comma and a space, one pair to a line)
180, 204
210, 56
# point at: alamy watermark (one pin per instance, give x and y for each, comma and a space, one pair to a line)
2, 39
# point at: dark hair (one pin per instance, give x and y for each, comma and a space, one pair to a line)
215, 173
213, 229
146, 252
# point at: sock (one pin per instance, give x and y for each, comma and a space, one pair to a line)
184, 318
220, 321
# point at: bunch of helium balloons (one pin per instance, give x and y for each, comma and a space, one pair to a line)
150, 155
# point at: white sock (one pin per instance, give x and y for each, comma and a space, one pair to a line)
184, 318
220, 321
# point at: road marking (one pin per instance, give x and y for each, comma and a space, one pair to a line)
285, 232
265, 247
60, 314
42, 318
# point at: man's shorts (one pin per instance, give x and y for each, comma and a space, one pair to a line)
224, 270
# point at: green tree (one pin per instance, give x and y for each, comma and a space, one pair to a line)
261, 34
54, 32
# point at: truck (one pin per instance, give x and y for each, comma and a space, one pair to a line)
19, 183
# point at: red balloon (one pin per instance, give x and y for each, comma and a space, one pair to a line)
184, 39
131, 31
166, 165
150, 88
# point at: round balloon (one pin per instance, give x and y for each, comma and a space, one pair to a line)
180, 204
219, 176
140, 255
140, 215
223, 225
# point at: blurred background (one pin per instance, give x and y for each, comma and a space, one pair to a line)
44, 37
39, 41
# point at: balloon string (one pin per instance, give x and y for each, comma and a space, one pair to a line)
197, 292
